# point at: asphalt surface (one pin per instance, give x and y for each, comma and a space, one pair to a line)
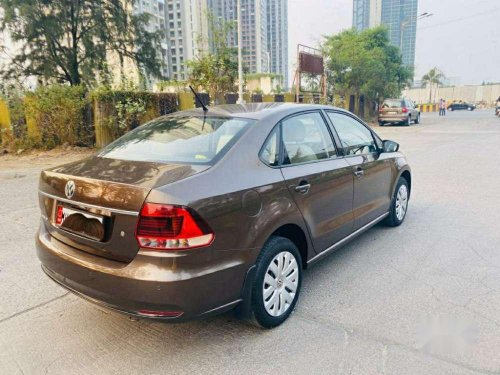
423, 298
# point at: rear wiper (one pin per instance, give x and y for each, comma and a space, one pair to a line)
205, 109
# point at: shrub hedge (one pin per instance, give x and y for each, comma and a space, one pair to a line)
5, 128
116, 112
58, 114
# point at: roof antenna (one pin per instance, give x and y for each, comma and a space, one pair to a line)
205, 109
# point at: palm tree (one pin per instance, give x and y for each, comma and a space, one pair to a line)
433, 78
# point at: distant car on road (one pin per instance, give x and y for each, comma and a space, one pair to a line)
462, 106
398, 111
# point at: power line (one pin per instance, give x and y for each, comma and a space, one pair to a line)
460, 19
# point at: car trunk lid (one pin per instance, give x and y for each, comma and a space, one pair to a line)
105, 202
392, 107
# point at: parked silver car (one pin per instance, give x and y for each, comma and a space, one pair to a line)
398, 111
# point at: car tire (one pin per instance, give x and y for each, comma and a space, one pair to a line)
270, 305
417, 120
381, 123
408, 121
399, 204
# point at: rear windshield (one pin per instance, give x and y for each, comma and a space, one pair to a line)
392, 103
190, 140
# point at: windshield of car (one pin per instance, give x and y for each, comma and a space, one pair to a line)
392, 103
189, 139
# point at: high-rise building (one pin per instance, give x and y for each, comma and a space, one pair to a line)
187, 28
253, 30
264, 25
277, 37
156, 11
182, 25
185, 32
400, 17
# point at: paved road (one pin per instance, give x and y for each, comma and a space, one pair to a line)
423, 298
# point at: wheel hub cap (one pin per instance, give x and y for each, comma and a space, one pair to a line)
279, 289
280, 283
401, 202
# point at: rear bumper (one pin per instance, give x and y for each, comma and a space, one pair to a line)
392, 118
150, 283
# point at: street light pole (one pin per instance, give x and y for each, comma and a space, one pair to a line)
240, 64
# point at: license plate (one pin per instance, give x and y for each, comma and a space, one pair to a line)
392, 113
80, 222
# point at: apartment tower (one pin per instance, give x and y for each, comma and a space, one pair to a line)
400, 17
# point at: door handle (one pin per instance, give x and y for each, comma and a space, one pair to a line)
303, 187
359, 172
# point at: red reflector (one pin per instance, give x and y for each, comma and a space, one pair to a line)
164, 314
167, 227
59, 215
405, 110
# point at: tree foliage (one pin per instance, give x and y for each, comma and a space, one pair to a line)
365, 63
215, 71
71, 40
432, 79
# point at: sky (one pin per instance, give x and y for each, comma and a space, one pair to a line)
462, 38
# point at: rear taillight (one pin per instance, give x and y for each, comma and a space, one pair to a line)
167, 227
59, 215
405, 110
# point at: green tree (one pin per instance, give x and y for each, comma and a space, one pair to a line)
311, 82
433, 78
216, 70
278, 90
71, 40
365, 63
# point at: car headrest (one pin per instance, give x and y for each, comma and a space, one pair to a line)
294, 131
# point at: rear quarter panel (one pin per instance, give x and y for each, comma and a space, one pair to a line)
243, 200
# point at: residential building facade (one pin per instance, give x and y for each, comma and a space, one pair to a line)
182, 23
185, 32
400, 17
253, 30
277, 37
156, 10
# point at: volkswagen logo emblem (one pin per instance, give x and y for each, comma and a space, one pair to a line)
69, 189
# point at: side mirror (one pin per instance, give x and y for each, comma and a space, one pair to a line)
390, 146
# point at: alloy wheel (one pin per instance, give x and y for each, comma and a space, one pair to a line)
401, 202
280, 284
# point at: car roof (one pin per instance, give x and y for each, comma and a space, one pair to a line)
257, 111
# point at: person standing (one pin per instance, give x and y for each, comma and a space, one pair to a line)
442, 107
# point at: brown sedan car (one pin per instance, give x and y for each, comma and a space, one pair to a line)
194, 214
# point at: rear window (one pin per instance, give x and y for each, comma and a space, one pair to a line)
392, 104
178, 140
